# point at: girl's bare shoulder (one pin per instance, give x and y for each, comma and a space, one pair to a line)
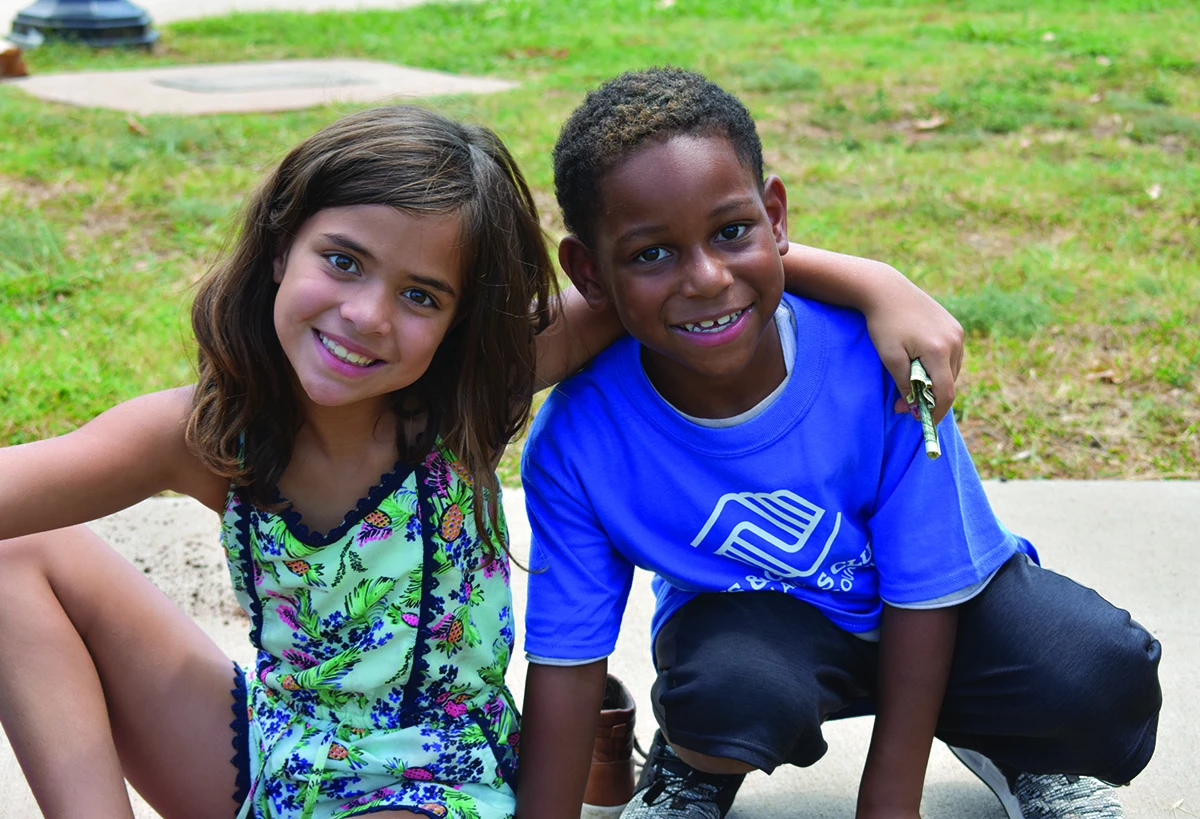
155, 425
124, 455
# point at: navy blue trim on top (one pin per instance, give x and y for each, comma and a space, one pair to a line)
241, 736
245, 513
388, 483
417, 809
409, 710
505, 755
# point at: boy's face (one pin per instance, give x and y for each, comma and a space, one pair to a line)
688, 250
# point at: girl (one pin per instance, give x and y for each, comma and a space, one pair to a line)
380, 314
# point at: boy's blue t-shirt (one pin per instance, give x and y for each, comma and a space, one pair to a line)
826, 495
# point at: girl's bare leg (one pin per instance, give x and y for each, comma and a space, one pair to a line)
102, 678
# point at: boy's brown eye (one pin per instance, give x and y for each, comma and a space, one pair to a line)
731, 232
652, 254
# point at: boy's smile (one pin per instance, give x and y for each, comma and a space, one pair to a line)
688, 249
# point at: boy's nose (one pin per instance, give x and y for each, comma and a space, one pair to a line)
707, 276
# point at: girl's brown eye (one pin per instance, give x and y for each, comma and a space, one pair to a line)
419, 297
342, 262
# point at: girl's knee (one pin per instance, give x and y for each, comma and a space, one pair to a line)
21, 555
38, 554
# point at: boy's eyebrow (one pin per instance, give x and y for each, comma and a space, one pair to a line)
350, 243
721, 209
732, 204
638, 232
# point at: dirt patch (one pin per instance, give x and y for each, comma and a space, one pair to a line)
103, 216
1083, 408
34, 193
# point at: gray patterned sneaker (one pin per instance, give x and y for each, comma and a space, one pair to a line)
1044, 796
669, 788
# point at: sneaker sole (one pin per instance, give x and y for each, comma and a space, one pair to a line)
991, 776
601, 811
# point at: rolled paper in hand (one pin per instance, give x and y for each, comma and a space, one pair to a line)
922, 393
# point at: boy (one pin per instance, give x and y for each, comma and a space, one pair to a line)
809, 558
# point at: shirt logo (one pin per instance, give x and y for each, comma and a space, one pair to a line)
767, 530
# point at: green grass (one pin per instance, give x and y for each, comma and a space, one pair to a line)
1033, 165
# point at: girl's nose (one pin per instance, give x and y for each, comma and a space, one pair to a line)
369, 310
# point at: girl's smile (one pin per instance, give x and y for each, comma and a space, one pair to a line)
366, 295
340, 350
342, 359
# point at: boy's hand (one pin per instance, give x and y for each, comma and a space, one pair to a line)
887, 813
906, 323
903, 321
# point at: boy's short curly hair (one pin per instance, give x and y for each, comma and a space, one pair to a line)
617, 118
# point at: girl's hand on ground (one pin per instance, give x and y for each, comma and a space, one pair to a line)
906, 323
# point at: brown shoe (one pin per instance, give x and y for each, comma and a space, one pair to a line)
11, 64
610, 781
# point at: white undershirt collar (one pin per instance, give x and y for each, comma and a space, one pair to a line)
785, 324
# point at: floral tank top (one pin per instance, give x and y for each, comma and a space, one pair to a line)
381, 653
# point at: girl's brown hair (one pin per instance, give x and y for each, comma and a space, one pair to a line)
477, 389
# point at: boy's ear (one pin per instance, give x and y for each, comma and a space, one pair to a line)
775, 201
579, 263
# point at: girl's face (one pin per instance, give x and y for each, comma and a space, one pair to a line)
366, 295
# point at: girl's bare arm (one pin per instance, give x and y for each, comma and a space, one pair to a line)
904, 321
125, 455
577, 335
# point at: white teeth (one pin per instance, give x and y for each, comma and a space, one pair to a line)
710, 326
342, 353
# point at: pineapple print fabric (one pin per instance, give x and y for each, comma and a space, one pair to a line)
382, 647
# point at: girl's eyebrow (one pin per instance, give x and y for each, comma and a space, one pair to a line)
349, 243
434, 283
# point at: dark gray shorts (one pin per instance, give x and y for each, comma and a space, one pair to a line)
1047, 677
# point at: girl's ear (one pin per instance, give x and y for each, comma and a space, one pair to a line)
277, 267
775, 201
579, 264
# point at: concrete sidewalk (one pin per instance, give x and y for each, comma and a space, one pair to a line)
1133, 542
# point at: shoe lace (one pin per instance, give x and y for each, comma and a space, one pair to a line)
640, 751
680, 789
